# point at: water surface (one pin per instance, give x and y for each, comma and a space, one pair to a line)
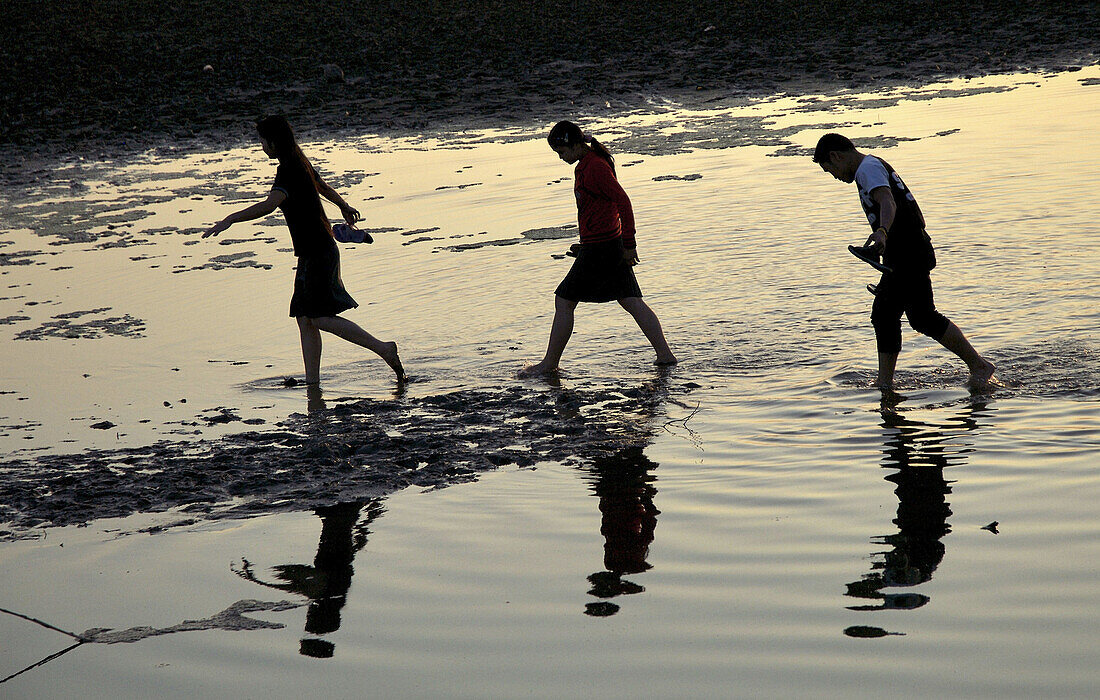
761, 522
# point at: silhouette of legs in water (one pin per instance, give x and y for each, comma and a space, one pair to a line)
981, 369
310, 329
562, 329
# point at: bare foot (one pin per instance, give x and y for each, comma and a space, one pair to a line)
982, 374
535, 370
670, 360
394, 361
890, 399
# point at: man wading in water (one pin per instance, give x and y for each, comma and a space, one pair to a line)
899, 236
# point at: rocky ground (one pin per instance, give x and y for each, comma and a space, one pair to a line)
349, 452
106, 78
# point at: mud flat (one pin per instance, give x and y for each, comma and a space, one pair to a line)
140, 74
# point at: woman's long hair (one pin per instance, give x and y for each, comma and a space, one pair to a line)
568, 134
276, 130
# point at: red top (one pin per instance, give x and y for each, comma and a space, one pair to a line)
603, 209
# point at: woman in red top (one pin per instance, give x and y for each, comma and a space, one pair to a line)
319, 294
603, 269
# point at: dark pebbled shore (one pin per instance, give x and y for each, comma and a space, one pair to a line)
105, 79
353, 451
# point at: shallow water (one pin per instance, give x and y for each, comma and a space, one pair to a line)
761, 522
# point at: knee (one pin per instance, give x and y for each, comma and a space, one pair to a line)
885, 321
930, 323
563, 304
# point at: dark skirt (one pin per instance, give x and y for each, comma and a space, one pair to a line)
599, 274
318, 289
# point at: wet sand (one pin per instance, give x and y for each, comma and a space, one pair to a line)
351, 451
139, 74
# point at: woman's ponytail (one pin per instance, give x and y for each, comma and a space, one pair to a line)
602, 152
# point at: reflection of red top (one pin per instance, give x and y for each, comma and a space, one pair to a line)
603, 209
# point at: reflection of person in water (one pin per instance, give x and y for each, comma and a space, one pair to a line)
326, 582
917, 451
624, 485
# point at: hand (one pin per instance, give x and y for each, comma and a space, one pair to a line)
216, 228
630, 256
877, 240
350, 214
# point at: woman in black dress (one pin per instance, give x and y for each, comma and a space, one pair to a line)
607, 253
319, 294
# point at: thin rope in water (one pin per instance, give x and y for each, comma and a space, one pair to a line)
44, 624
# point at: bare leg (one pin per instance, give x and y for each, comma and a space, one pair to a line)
651, 326
311, 349
560, 332
887, 361
981, 369
352, 333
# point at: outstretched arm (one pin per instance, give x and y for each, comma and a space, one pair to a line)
274, 199
350, 213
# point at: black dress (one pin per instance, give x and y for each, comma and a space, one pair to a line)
318, 289
599, 274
